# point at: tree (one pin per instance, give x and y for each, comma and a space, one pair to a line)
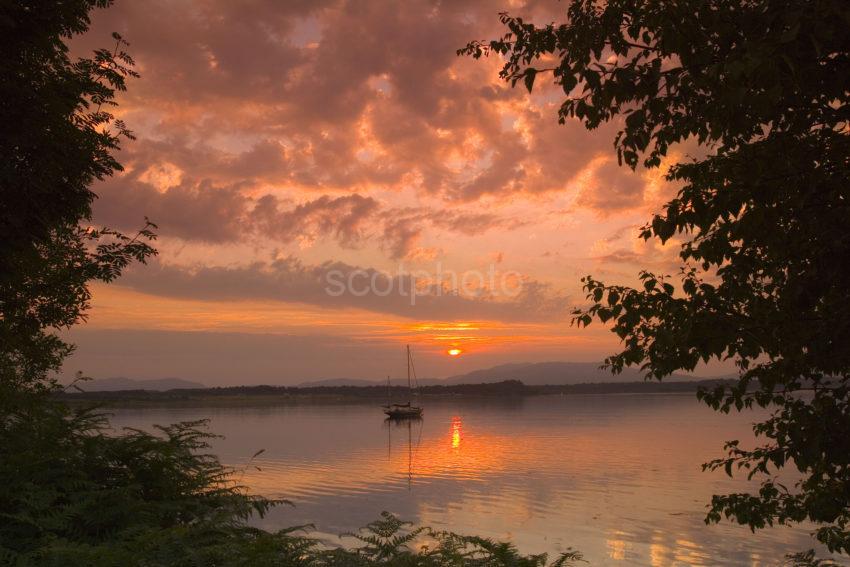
64, 141
763, 87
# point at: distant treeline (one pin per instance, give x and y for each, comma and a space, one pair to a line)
505, 388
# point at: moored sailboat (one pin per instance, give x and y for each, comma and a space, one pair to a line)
406, 410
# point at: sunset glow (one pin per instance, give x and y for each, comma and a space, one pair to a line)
322, 212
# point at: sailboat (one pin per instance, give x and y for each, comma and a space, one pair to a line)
408, 410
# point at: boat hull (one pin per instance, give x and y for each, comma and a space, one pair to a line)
404, 413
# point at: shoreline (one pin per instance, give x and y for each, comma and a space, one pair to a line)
246, 396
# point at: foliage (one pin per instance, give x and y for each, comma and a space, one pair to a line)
69, 134
49, 289
388, 541
762, 218
808, 559
67, 140
73, 491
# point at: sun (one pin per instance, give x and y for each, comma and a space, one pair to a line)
454, 352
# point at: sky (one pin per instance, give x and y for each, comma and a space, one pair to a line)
332, 182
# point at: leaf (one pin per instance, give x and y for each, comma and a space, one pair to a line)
529, 77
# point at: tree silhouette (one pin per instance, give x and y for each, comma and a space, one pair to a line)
763, 86
59, 136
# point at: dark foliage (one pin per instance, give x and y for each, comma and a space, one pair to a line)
73, 492
763, 86
64, 139
61, 105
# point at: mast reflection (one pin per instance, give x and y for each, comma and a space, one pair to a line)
411, 449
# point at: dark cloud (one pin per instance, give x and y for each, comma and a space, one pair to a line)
403, 228
156, 186
296, 100
339, 285
201, 211
400, 237
344, 218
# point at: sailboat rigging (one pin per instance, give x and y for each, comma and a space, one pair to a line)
406, 410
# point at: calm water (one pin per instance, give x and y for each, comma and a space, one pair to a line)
617, 477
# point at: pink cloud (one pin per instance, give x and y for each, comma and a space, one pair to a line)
285, 125
212, 72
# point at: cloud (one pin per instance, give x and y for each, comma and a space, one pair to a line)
338, 285
400, 237
193, 211
344, 218
403, 228
609, 188
207, 212
339, 137
233, 95
342, 134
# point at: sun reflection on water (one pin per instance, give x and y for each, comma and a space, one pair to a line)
457, 424
617, 547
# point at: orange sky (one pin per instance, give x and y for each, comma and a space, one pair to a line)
281, 145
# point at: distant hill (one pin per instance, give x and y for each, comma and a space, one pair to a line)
552, 373
529, 373
118, 384
335, 382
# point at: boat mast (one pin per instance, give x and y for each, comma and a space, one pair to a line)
408, 374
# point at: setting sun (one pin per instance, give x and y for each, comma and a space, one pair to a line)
454, 351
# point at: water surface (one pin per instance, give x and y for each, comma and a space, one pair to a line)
615, 476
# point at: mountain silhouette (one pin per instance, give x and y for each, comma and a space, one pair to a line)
529, 373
